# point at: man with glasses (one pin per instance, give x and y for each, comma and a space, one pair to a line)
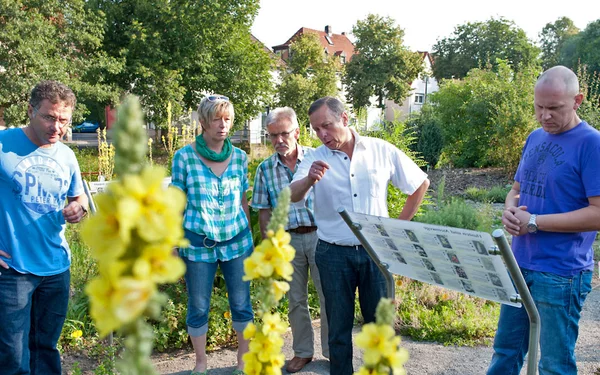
272, 175
352, 172
38, 174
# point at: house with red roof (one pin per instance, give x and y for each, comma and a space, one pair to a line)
334, 44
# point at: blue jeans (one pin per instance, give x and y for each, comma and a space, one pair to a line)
559, 301
199, 278
33, 310
342, 270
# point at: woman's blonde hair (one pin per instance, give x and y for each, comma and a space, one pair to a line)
214, 106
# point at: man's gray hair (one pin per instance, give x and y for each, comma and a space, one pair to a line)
282, 113
334, 104
53, 91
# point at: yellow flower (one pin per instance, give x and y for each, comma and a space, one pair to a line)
266, 346
158, 263
278, 361
249, 331
279, 288
76, 334
227, 315
377, 341
272, 370
103, 232
131, 297
114, 303
272, 324
397, 360
366, 371
100, 290
252, 366
281, 240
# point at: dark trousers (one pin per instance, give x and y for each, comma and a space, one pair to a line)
343, 269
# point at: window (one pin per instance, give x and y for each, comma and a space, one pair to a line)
328, 40
419, 98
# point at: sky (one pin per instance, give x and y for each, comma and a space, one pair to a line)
423, 21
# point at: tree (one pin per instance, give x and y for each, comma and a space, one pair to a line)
588, 47
486, 117
52, 39
176, 51
552, 38
310, 74
428, 134
383, 66
589, 84
474, 45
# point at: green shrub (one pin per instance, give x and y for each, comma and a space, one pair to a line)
476, 194
457, 213
431, 313
497, 194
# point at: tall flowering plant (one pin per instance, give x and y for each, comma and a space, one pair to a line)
382, 351
132, 237
270, 269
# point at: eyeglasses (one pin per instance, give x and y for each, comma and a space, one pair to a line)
212, 98
282, 134
52, 119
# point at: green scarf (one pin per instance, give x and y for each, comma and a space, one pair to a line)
209, 154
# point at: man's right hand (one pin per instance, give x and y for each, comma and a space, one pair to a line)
4, 255
317, 170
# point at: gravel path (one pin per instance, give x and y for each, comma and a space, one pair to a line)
426, 358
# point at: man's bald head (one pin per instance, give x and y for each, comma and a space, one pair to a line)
559, 77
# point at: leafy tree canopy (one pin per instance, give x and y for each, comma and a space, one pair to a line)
52, 39
552, 39
383, 66
176, 50
588, 47
474, 45
309, 75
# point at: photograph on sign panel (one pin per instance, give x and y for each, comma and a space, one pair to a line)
480, 247
444, 241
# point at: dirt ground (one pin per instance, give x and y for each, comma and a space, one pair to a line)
459, 180
425, 358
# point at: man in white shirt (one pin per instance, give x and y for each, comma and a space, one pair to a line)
352, 172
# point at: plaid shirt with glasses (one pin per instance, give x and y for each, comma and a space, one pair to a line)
214, 204
271, 177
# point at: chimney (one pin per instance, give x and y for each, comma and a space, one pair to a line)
328, 30
343, 33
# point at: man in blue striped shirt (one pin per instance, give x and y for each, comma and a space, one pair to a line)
272, 175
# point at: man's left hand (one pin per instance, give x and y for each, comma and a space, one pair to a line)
74, 212
523, 219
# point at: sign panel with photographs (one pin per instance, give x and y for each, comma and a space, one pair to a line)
453, 258
100, 186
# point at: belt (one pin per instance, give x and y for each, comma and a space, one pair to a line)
302, 230
200, 240
355, 247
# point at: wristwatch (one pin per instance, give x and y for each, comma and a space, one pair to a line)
532, 225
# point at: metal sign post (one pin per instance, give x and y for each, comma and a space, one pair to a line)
524, 297
383, 267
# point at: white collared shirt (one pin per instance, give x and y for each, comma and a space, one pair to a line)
358, 185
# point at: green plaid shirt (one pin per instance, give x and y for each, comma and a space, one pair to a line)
271, 177
214, 204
